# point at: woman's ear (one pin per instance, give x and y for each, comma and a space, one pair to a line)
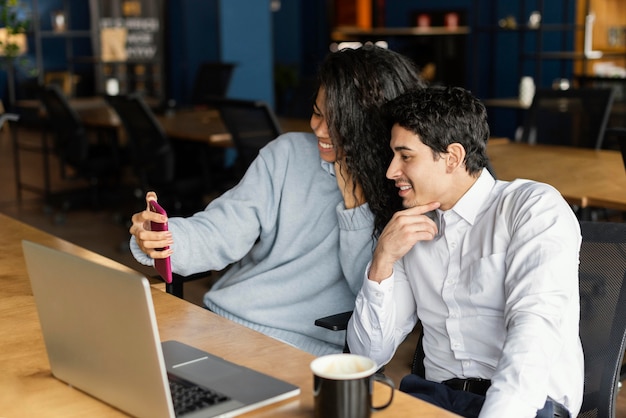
455, 156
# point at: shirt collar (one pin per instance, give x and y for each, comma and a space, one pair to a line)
328, 167
471, 202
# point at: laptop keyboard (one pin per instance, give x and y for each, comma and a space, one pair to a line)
188, 397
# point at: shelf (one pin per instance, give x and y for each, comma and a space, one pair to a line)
342, 32
585, 77
549, 27
506, 103
97, 60
65, 34
561, 55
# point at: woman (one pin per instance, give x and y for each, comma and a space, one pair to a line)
301, 225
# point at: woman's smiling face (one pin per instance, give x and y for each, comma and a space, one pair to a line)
319, 125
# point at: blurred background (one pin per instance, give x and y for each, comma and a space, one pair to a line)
274, 46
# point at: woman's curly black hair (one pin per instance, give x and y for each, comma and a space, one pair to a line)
357, 83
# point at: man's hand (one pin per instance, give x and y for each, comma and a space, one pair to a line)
403, 231
149, 241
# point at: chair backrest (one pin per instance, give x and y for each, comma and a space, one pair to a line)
70, 140
251, 123
151, 150
12, 117
602, 275
602, 314
574, 117
212, 81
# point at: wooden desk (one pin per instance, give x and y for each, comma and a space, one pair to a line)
28, 388
585, 177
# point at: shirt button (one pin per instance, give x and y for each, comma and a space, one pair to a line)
379, 295
453, 244
456, 344
466, 363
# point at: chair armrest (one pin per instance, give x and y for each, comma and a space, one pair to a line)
337, 322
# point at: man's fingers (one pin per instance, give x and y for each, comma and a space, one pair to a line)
421, 209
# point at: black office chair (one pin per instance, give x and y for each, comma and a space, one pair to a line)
211, 81
252, 125
179, 182
8, 117
80, 158
574, 117
602, 314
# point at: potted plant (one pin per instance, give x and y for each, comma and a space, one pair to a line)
13, 43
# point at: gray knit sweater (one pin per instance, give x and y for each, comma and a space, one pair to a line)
298, 254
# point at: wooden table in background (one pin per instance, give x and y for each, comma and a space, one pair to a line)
193, 124
29, 390
200, 124
585, 177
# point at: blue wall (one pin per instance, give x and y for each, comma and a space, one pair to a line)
237, 31
246, 40
192, 37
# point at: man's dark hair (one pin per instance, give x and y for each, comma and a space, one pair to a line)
441, 116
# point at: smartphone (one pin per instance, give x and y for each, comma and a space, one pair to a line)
162, 265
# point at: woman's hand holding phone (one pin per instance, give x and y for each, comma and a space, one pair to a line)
149, 227
163, 265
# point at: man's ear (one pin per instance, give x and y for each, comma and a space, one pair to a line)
455, 156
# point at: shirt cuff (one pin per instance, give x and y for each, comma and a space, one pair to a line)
356, 218
139, 255
373, 291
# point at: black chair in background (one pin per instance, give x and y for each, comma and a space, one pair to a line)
180, 184
211, 81
80, 157
8, 117
574, 117
252, 125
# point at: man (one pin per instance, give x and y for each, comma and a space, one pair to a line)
490, 268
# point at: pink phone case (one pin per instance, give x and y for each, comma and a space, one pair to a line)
162, 265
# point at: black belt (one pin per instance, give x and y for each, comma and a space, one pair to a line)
558, 410
473, 385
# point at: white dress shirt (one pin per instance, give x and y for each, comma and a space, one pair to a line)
497, 294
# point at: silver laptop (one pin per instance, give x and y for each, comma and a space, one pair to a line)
101, 336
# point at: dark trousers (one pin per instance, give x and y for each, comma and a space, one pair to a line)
466, 404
